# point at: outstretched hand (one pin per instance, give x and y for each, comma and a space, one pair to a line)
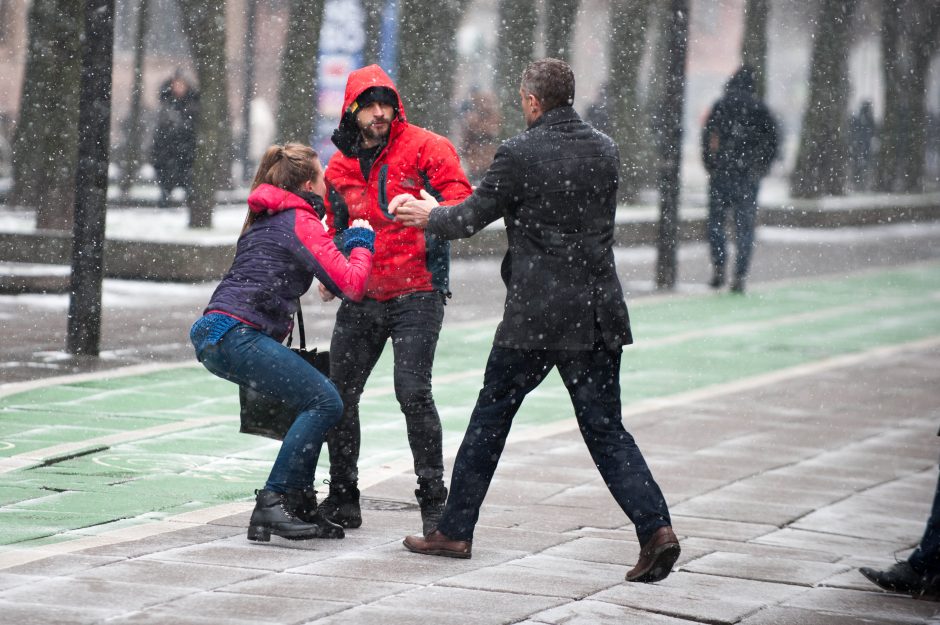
411, 211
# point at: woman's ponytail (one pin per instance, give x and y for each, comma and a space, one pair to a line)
286, 166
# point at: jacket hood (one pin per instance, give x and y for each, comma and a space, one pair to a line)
742, 82
267, 198
346, 135
364, 78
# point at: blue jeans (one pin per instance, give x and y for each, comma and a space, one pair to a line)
249, 357
926, 558
737, 193
593, 382
413, 322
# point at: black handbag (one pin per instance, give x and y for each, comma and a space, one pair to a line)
271, 417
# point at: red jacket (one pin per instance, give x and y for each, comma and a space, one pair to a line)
277, 258
406, 259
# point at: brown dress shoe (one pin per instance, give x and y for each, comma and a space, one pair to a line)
437, 544
657, 557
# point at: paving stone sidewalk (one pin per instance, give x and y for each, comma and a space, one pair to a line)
780, 486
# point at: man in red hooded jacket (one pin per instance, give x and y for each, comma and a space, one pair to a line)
380, 156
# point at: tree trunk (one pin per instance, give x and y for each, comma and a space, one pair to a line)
672, 108
560, 18
296, 114
204, 25
660, 22
91, 180
923, 28
890, 144
629, 20
659, 29
754, 45
821, 163
130, 163
248, 90
45, 147
373, 10
427, 58
518, 20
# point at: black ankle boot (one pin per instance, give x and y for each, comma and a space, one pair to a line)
341, 506
431, 497
303, 503
273, 514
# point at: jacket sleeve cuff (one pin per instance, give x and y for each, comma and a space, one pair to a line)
358, 237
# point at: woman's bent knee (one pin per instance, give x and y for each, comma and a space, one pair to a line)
330, 406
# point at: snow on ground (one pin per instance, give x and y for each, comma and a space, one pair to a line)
921, 230
33, 269
150, 224
121, 294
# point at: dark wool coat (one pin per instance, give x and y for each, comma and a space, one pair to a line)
555, 186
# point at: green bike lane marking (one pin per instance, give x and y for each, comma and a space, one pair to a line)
201, 461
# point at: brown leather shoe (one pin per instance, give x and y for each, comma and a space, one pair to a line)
437, 544
657, 557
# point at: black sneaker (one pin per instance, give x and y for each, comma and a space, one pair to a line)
341, 506
900, 578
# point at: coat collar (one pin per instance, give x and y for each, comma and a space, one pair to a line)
557, 115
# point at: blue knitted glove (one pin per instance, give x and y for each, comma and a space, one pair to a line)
358, 237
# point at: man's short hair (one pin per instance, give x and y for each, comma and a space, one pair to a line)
551, 81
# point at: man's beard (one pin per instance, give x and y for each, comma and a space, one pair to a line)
371, 134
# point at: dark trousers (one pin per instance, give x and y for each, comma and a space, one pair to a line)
926, 558
736, 193
593, 382
413, 322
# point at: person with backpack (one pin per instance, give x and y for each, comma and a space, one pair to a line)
739, 143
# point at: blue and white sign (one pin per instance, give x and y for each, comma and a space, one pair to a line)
342, 38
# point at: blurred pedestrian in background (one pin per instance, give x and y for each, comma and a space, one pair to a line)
174, 138
479, 133
862, 132
739, 143
598, 113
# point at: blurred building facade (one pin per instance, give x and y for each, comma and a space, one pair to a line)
716, 28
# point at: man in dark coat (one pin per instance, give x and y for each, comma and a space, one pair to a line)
174, 140
555, 187
739, 143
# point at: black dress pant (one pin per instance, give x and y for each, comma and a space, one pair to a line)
593, 381
413, 322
